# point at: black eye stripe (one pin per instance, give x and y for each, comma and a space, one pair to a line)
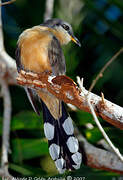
66, 27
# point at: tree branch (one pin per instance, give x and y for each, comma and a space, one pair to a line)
66, 89
99, 158
6, 126
49, 9
6, 3
7, 175
88, 97
8, 74
7, 64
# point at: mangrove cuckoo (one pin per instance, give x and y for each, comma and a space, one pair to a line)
39, 50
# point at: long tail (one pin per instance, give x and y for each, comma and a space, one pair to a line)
63, 146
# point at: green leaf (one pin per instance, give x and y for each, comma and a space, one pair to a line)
24, 149
93, 135
27, 170
83, 118
26, 120
20, 169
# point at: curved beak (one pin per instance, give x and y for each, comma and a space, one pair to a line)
74, 39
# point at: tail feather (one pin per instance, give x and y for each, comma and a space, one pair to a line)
70, 143
63, 146
32, 99
51, 131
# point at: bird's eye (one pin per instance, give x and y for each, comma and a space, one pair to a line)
66, 27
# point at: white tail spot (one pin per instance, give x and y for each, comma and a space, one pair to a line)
49, 131
68, 126
77, 158
76, 166
72, 144
59, 163
54, 151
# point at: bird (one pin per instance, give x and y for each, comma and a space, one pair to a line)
39, 50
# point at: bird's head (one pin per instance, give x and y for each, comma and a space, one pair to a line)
62, 30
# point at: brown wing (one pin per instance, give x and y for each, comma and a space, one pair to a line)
18, 59
30, 92
56, 57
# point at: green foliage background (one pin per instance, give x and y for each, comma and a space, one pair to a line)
98, 24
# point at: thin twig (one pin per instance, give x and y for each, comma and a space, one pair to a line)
105, 145
6, 3
6, 124
92, 109
88, 97
116, 150
104, 68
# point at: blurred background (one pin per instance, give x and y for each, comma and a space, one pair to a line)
98, 24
